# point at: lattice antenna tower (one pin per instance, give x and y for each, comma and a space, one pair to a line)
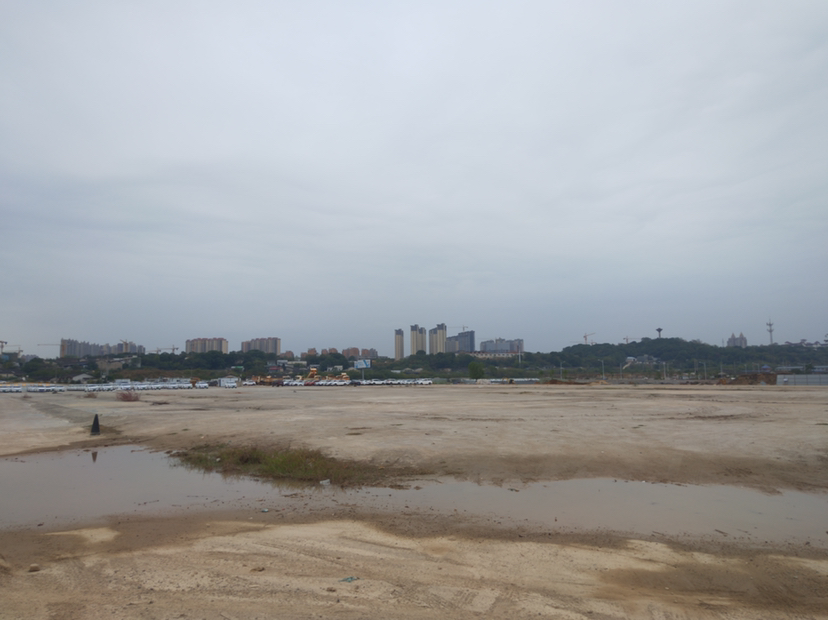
770, 330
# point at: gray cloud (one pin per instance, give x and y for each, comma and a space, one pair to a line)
327, 172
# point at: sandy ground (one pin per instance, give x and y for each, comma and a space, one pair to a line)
426, 565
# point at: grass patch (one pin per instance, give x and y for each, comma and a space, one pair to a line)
299, 465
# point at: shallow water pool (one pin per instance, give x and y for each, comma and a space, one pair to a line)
56, 489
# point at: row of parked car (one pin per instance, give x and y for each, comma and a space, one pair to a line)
112, 387
329, 382
102, 387
200, 385
395, 382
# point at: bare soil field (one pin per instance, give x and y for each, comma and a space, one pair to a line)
419, 563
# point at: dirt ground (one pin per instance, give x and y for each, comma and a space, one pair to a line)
424, 564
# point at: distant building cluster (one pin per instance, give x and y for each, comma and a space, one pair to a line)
737, 341
356, 352
435, 340
349, 352
73, 348
500, 345
205, 345
272, 346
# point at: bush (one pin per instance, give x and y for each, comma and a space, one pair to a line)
128, 396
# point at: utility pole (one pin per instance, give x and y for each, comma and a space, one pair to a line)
770, 329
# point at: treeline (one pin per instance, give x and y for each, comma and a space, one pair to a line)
661, 355
685, 355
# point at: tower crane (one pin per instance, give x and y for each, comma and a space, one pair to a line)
586, 337
3, 344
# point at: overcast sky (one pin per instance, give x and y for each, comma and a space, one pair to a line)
327, 172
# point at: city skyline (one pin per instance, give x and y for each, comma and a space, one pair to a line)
77, 348
333, 172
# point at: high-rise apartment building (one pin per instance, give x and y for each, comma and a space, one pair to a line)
204, 345
370, 354
272, 346
461, 343
399, 344
437, 339
418, 339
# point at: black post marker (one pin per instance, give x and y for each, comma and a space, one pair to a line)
96, 427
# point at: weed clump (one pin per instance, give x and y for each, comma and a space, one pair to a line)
128, 396
300, 465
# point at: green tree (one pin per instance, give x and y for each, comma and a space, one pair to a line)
476, 370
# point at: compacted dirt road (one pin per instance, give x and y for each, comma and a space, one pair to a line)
360, 561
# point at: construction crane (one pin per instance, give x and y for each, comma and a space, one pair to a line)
173, 349
3, 344
586, 337
461, 327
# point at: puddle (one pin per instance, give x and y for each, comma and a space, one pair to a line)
57, 489
64, 487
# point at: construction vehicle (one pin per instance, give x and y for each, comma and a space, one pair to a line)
313, 378
268, 380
